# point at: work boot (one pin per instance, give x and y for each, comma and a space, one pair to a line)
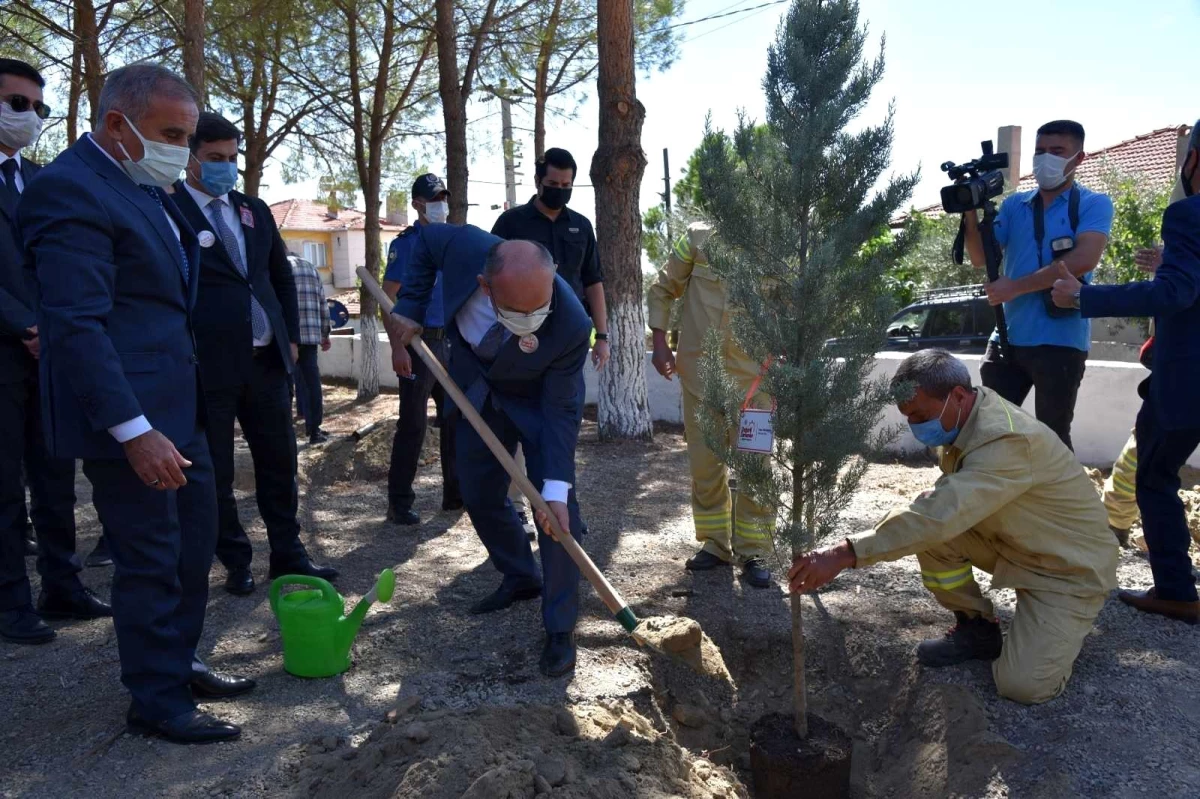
974, 638
756, 573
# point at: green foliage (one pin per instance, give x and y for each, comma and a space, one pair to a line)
929, 265
798, 219
1138, 206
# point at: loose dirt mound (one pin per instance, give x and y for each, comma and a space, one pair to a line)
344, 460
1191, 507
601, 751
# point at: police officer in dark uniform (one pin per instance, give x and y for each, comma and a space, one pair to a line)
429, 199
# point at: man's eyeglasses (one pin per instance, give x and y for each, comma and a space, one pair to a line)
20, 104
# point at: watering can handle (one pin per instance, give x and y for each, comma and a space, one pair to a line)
324, 586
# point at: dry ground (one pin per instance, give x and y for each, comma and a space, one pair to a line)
1127, 725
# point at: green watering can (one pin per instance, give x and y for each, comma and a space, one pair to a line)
316, 636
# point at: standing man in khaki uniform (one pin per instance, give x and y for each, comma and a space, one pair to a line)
724, 532
1012, 501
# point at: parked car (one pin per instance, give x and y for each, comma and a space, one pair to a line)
957, 319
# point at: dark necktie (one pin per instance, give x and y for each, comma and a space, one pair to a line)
154, 195
9, 192
258, 317
489, 346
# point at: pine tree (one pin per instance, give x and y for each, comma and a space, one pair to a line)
793, 203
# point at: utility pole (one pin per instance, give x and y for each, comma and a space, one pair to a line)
666, 183
506, 133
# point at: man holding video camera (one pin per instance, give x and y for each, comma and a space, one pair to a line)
1061, 221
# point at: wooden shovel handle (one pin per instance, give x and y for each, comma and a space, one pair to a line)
603, 587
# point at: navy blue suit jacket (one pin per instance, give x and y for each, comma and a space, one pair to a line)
17, 296
224, 338
1173, 299
115, 313
541, 392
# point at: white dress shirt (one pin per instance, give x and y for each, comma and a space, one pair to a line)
475, 319
20, 180
127, 431
230, 217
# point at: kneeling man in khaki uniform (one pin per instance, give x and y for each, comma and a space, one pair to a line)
1012, 501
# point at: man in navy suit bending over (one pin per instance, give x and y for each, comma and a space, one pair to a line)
518, 340
118, 266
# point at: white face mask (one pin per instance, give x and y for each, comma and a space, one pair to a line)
161, 163
520, 324
437, 212
18, 130
1048, 170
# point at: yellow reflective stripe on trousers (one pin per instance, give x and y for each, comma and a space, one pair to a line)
947, 580
711, 521
1123, 486
752, 531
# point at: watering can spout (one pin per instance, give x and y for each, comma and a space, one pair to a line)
348, 626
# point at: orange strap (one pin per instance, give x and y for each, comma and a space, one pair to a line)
758, 380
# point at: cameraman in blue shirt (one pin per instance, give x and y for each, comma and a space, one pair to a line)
1061, 221
429, 200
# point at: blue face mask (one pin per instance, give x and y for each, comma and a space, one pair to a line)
932, 434
218, 177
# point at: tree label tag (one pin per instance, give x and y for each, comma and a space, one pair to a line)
756, 432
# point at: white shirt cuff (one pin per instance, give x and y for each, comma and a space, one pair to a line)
556, 491
130, 430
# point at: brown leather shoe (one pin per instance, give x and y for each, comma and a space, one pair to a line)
1148, 602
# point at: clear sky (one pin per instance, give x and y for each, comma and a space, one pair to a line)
956, 71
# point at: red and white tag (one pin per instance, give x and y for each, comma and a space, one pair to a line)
756, 432
247, 217
528, 344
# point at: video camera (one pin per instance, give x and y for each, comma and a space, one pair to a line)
975, 182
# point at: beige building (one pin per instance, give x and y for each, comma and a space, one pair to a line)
333, 240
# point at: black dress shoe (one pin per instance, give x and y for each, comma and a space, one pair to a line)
319, 437
100, 555
307, 568
558, 655
405, 518
80, 604
192, 727
239, 581
704, 561
23, 626
505, 596
219, 685
452, 504
756, 573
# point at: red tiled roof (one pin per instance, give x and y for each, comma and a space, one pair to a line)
1151, 155
349, 298
309, 215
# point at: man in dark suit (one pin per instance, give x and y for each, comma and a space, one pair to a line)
1168, 427
246, 337
117, 266
518, 341
51, 480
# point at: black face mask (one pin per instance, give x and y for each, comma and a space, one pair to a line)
1185, 175
555, 198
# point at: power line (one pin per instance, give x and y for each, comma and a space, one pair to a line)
760, 10
727, 14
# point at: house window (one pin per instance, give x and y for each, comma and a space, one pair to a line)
314, 252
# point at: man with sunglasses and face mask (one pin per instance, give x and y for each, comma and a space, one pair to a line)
1061, 222
518, 339
51, 480
1012, 501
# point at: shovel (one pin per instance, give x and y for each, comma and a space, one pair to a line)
677, 638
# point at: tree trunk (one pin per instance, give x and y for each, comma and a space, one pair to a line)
193, 47
74, 92
93, 63
368, 366
800, 510
541, 81
454, 112
617, 167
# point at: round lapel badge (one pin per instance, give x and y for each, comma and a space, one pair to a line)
207, 239
528, 344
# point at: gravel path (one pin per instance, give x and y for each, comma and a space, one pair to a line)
1126, 726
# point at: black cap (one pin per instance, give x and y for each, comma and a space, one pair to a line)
428, 187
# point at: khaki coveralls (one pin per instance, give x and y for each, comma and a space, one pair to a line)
1012, 501
688, 275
